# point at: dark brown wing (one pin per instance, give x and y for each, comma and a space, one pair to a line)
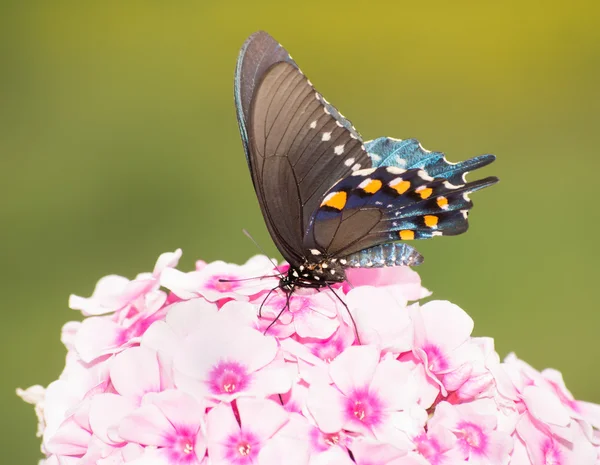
298, 147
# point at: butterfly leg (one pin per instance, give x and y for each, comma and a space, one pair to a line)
348, 310
286, 306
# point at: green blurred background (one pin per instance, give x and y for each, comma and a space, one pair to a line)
118, 141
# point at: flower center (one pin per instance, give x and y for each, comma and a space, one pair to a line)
364, 407
472, 437
427, 447
244, 449
331, 439
228, 377
436, 361
359, 410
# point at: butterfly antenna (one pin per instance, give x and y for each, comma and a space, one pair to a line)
348, 310
247, 234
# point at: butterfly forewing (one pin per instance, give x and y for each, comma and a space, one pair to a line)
298, 150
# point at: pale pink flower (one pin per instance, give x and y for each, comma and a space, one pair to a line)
370, 397
477, 437
218, 280
239, 442
170, 425
114, 292
442, 341
222, 359
306, 314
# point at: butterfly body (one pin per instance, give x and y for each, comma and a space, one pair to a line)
331, 201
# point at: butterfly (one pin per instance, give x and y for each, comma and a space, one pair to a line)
331, 201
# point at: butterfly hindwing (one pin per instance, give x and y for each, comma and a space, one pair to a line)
297, 144
384, 204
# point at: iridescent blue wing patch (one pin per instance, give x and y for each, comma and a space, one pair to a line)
409, 153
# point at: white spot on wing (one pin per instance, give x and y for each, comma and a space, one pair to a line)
465, 213
365, 183
466, 197
449, 185
394, 170
313, 124
437, 233
308, 82
326, 136
339, 149
375, 157
424, 176
315, 252
365, 172
349, 161
356, 167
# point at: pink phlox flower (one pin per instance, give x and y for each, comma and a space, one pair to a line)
401, 281
137, 304
543, 447
473, 380
442, 333
209, 281
368, 397
170, 425
381, 318
223, 360
72, 436
305, 313
114, 292
477, 437
534, 396
437, 446
240, 441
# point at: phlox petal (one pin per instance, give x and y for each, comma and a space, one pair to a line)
382, 319
107, 297
135, 372
326, 405
106, 412
394, 382
95, 337
355, 367
444, 324
271, 417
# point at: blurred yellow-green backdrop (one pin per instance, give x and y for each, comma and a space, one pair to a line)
118, 141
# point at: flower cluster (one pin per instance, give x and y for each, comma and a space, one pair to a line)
215, 367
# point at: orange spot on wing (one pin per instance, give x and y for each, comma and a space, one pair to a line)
424, 192
400, 186
335, 200
373, 186
406, 235
431, 221
442, 202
